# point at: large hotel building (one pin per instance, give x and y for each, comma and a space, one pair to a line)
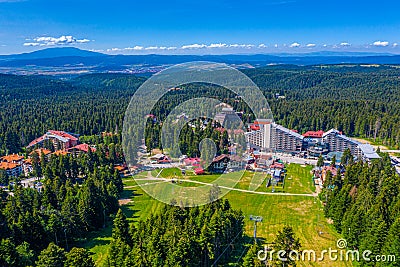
271, 137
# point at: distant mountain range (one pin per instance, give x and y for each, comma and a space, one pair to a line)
70, 59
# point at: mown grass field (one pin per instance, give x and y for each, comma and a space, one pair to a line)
303, 213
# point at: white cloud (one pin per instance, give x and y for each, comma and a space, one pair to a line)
82, 41
344, 44
220, 45
247, 46
136, 48
141, 48
262, 46
311, 45
295, 45
276, 45
115, 49
395, 44
381, 43
194, 46
151, 48
52, 41
31, 44
216, 45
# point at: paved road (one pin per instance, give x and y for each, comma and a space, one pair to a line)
390, 151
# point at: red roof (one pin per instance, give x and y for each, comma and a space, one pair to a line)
262, 122
8, 166
58, 133
254, 127
37, 140
199, 171
333, 170
314, 134
39, 151
192, 161
60, 152
63, 134
220, 157
277, 166
12, 158
83, 147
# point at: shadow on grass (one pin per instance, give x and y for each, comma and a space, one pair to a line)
128, 209
99, 237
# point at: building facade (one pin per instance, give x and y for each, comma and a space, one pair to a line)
61, 140
270, 136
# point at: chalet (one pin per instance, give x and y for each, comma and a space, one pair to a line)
163, 160
199, 171
41, 151
81, 148
277, 165
236, 162
325, 171
12, 169
60, 140
123, 169
13, 158
219, 163
12, 164
195, 162
157, 156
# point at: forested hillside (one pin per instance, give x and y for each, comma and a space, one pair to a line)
360, 101
365, 208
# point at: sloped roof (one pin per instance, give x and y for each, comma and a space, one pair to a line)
286, 130
11, 158
369, 151
314, 134
60, 152
83, 147
8, 166
39, 151
220, 157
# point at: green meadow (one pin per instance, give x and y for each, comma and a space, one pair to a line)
303, 213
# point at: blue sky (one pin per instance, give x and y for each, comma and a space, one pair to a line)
200, 27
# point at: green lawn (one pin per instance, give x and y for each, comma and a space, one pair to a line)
299, 179
167, 173
98, 243
303, 213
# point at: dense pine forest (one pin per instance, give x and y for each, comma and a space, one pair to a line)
365, 207
200, 236
78, 195
360, 101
